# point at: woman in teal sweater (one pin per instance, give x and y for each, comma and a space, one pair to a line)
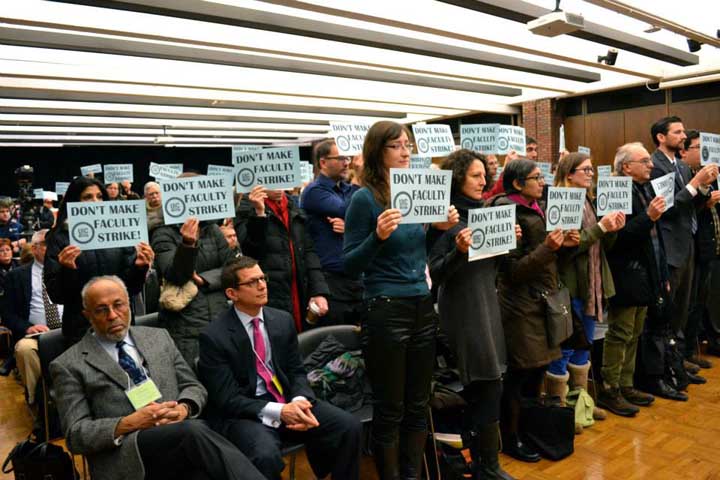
401, 323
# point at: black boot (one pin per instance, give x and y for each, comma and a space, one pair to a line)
386, 461
484, 446
412, 448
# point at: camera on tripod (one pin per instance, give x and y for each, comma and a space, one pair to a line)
30, 210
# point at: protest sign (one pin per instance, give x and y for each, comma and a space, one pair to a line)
220, 170
421, 195
585, 150
564, 208
492, 231
95, 168
306, 172
241, 149
38, 193
481, 137
418, 161
99, 225
550, 179
604, 171
273, 168
205, 198
709, 148
349, 136
433, 140
61, 187
562, 139
545, 169
665, 186
165, 171
118, 172
50, 196
510, 138
614, 194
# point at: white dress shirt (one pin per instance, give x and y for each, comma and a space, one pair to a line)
37, 306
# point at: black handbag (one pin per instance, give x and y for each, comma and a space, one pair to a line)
558, 316
578, 340
39, 461
548, 426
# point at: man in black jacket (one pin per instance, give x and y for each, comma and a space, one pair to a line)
257, 385
637, 261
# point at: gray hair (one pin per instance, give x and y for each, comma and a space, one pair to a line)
38, 236
150, 184
624, 155
112, 278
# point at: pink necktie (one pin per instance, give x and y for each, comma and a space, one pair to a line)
260, 361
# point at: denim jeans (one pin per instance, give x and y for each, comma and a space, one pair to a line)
576, 357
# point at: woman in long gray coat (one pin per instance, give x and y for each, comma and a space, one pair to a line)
470, 316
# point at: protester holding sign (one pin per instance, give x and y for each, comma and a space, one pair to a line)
401, 323
113, 191
528, 273
585, 272
470, 315
68, 269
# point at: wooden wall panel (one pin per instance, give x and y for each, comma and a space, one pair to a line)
574, 132
604, 132
703, 116
638, 122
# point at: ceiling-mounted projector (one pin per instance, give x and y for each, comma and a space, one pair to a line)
556, 23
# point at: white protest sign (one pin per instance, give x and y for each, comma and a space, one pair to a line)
433, 140
585, 150
220, 170
562, 139
165, 171
709, 148
564, 208
99, 225
604, 171
421, 195
61, 187
118, 172
95, 168
50, 196
306, 172
349, 136
550, 179
510, 138
240, 149
206, 198
273, 168
38, 193
545, 169
480, 137
418, 161
614, 194
492, 231
665, 186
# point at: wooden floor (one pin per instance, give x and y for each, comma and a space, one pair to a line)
669, 440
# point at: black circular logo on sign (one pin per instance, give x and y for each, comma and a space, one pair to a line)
245, 177
403, 202
423, 145
602, 201
83, 233
154, 170
477, 238
705, 153
343, 143
502, 143
554, 215
467, 143
175, 207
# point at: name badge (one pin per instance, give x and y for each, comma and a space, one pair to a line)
143, 394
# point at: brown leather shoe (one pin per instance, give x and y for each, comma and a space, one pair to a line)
636, 397
611, 399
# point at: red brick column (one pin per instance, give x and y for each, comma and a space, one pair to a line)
542, 122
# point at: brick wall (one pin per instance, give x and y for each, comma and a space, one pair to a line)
542, 122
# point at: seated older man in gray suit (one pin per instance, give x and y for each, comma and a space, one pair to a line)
128, 400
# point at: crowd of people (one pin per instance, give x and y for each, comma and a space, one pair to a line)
216, 391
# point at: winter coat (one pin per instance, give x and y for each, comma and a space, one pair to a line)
176, 263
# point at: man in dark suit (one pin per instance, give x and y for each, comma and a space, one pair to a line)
129, 402
29, 312
257, 385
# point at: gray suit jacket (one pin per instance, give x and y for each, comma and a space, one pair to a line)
90, 392
676, 223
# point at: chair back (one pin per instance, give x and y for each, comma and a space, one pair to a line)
50, 346
348, 335
149, 320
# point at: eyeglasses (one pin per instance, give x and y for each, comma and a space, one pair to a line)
103, 311
644, 161
398, 146
694, 147
339, 158
540, 178
255, 282
586, 170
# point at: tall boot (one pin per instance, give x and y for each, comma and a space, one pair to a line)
557, 386
386, 461
579, 379
484, 445
412, 448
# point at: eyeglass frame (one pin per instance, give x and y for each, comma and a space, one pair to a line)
255, 282
538, 178
103, 311
340, 158
397, 146
585, 170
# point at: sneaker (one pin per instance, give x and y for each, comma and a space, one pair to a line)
611, 399
636, 397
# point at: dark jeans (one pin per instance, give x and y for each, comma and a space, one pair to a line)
681, 283
399, 353
190, 449
698, 310
345, 302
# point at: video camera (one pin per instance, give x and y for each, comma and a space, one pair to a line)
30, 218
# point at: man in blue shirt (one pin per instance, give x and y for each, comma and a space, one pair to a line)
10, 228
325, 201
